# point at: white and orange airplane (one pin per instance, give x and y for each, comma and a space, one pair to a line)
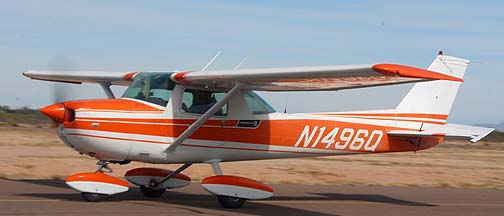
214, 116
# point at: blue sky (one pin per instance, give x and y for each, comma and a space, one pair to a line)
184, 35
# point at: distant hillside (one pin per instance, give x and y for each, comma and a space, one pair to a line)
499, 127
23, 115
496, 136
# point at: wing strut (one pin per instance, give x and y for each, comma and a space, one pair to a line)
154, 183
107, 90
202, 119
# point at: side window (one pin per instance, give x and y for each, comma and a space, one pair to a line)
256, 104
199, 101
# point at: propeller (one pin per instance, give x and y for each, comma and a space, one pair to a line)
61, 91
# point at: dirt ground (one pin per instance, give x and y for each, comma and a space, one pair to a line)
37, 153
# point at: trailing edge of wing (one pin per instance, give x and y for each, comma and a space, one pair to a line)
78, 77
318, 78
450, 130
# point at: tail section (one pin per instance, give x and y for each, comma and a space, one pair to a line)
435, 98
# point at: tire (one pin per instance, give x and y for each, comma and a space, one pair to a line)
231, 202
94, 197
150, 192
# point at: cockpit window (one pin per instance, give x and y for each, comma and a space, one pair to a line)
256, 104
151, 87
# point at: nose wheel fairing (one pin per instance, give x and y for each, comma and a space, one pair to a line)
96, 184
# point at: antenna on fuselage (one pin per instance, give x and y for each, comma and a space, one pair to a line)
240, 64
211, 61
286, 103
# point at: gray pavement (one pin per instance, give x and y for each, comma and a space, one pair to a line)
52, 197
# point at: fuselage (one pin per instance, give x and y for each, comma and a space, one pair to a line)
152, 113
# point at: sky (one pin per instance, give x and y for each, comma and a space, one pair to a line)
184, 35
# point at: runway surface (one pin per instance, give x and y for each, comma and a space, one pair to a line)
52, 197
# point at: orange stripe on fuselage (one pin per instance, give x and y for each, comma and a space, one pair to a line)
225, 123
393, 119
128, 105
117, 138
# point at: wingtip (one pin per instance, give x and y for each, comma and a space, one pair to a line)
412, 72
179, 77
27, 74
481, 136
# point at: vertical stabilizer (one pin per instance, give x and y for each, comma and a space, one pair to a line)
435, 98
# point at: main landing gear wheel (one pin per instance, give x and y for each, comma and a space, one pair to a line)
151, 192
94, 197
231, 202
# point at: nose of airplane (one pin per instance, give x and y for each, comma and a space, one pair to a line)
56, 112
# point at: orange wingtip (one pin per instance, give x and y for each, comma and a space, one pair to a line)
406, 71
179, 77
130, 76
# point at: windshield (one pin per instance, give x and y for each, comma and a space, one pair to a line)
151, 87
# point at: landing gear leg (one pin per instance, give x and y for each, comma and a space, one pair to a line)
102, 164
156, 188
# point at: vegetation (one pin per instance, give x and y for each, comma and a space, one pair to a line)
23, 115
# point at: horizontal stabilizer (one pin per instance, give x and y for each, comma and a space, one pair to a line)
449, 130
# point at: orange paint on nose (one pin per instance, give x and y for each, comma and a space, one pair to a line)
56, 112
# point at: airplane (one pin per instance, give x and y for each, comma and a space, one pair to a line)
188, 117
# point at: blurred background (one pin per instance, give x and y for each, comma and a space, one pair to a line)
185, 35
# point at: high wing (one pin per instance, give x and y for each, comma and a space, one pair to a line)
78, 77
318, 78
450, 130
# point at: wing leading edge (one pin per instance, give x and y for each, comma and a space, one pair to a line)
78, 77
319, 78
